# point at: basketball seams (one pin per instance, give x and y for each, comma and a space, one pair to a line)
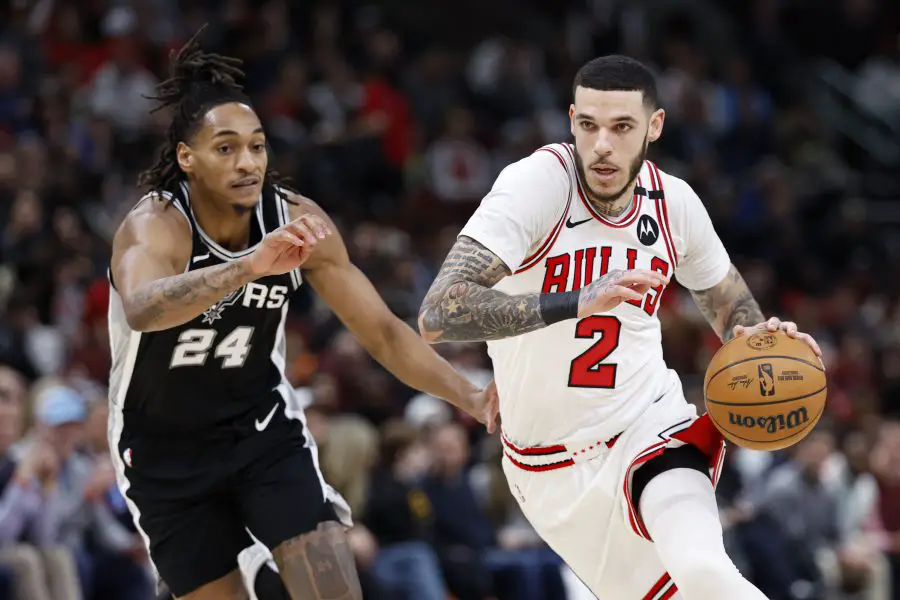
770, 402
761, 357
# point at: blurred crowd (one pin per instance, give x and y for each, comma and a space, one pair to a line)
396, 116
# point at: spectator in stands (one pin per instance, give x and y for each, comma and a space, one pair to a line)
400, 517
463, 533
42, 570
111, 560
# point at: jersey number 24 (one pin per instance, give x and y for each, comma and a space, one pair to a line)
194, 346
587, 369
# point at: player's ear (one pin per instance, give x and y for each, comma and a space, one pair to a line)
572, 119
185, 157
657, 119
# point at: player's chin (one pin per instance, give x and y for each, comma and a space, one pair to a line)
246, 196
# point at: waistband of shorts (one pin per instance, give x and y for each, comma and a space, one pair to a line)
557, 456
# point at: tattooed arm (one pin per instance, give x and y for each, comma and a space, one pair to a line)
461, 306
149, 255
727, 304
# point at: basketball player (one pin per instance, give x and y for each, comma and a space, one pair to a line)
202, 270
561, 270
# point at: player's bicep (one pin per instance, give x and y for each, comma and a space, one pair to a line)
472, 262
149, 246
705, 262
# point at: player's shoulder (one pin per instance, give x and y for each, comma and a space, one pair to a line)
548, 168
297, 204
155, 213
555, 158
678, 193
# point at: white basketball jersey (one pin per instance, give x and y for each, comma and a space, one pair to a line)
590, 376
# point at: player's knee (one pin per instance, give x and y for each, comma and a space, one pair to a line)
700, 572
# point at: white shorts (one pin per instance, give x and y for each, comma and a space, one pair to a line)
577, 495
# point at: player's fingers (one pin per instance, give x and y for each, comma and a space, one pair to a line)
738, 330
773, 324
285, 236
811, 342
642, 277
301, 229
317, 225
624, 294
790, 328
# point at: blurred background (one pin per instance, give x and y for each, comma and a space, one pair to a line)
396, 116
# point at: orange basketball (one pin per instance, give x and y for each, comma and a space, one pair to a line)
765, 391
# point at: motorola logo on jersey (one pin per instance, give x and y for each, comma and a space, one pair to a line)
647, 230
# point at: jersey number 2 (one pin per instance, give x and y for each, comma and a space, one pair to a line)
586, 371
194, 344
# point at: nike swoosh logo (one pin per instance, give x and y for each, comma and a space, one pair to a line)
199, 258
571, 224
261, 425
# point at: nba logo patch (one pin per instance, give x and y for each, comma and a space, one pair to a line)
127, 456
766, 380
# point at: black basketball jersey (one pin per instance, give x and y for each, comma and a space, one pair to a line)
219, 366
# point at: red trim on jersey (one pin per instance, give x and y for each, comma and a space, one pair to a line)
659, 586
625, 221
664, 216
535, 451
544, 249
669, 592
659, 216
637, 524
538, 468
549, 451
702, 434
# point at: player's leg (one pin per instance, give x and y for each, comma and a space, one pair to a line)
677, 504
231, 587
194, 544
283, 503
319, 565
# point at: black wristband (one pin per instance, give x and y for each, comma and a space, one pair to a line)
559, 307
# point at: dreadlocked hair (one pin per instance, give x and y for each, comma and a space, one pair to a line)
197, 83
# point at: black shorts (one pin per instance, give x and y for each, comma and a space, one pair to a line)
196, 496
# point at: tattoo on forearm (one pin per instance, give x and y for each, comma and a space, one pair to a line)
461, 306
319, 565
728, 304
209, 285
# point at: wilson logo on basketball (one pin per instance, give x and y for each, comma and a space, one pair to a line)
771, 423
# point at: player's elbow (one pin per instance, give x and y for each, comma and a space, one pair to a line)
140, 318
137, 321
427, 328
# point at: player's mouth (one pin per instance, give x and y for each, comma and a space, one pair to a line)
605, 173
246, 182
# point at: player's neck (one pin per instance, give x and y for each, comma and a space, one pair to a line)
613, 208
228, 228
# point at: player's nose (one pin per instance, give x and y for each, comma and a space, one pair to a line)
603, 143
246, 162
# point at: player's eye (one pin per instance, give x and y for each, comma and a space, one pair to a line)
259, 147
587, 125
223, 149
623, 127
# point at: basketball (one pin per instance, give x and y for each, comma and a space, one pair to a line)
765, 391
